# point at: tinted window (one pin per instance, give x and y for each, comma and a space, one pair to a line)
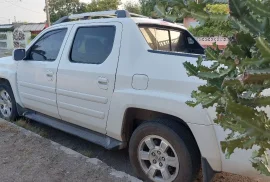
175, 39
150, 37
159, 38
92, 45
48, 46
163, 40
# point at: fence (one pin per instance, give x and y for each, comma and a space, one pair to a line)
15, 39
208, 41
6, 40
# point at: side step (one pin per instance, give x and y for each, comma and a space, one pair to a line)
89, 135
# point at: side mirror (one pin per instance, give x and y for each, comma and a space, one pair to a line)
19, 54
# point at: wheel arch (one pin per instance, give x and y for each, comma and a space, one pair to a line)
204, 136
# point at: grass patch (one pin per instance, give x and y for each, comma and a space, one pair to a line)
86, 153
75, 143
29, 126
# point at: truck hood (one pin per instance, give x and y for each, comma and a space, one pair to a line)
6, 59
7, 63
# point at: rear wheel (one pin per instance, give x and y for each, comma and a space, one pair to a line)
159, 153
8, 109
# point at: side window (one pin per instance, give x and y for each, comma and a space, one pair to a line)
150, 37
177, 41
48, 46
171, 40
163, 40
157, 39
92, 45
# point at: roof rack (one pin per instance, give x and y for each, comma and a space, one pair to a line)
103, 14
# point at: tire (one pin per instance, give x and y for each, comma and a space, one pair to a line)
8, 103
181, 147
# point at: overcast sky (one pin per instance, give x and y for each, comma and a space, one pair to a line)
26, 10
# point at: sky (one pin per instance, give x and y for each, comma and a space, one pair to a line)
26, 10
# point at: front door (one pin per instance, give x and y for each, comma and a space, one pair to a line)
36, 74
86, 74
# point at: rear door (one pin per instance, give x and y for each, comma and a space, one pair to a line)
86, 74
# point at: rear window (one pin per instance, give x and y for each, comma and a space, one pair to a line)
170, 39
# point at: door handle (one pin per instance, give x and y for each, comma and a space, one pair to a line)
103, 81
49, 74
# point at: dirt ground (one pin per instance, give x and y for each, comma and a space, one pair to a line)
26, 156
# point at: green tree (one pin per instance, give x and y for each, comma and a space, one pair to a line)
238, 80
132, 7
60, 8
147, 8
212, 27
103, 5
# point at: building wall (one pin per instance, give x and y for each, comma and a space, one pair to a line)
6, 40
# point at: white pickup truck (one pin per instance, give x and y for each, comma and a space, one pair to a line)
117, 79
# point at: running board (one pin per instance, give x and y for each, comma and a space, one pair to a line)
89, 135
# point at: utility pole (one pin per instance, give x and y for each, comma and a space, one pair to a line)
47, 12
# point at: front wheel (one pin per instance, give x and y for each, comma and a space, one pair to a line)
159, 153
8, 109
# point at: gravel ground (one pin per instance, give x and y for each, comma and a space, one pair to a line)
28, 157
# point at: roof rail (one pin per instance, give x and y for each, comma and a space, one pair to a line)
105, 14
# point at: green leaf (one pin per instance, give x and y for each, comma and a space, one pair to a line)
214, 66
256, 76
191, 69
236, 24
211, 54
263, 47
237, 8
171, 18
208, 89
208, 75
262, 167
231, 82
191, 103
249, 143
245, 39
255, 102
160, 10
252, 24
237, 50
231, 145
257, 7
202, 17
199, 61
210, 100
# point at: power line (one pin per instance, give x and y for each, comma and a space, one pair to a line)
23, 7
